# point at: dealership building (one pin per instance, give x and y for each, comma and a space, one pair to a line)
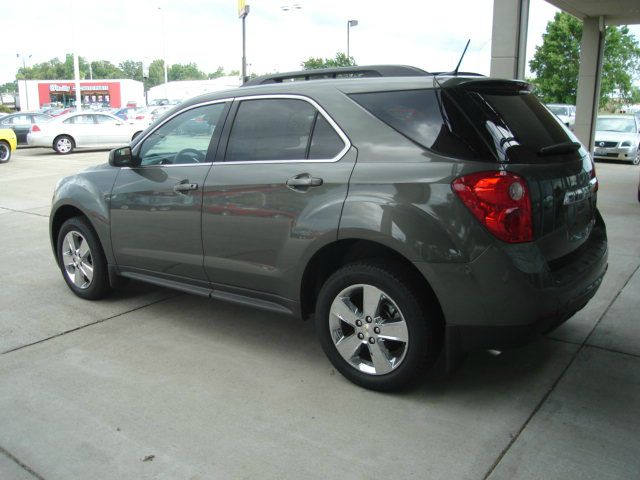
114, 93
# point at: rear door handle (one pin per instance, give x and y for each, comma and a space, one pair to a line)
184, 186
304, 180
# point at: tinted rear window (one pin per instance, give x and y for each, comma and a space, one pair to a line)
428, 118
514, 122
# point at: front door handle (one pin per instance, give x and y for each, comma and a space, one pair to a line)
304, 180
184, 186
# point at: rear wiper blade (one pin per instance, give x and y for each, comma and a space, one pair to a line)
559, 149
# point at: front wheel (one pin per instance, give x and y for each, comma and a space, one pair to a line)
63, 144
81, 259
5, 152
375, 326
636, 160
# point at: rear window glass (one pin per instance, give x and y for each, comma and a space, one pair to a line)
426, 117
515, 123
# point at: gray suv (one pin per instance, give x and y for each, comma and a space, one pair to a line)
411, 215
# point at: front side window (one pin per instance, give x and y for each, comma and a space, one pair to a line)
271, 129
183, 139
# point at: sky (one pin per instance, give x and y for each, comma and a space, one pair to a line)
429, 34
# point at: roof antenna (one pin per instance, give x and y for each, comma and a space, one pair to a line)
455, 72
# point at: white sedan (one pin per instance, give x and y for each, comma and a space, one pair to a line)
78, 130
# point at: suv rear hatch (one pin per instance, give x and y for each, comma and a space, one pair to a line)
503, 124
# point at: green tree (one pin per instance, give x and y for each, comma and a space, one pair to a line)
340, 60
131, 69
556, 62
188, 71
103, 69
9, 87
156, 74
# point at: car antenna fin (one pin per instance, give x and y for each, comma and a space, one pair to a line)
455, 72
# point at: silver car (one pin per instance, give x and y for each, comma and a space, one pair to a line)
566, 113
617, 138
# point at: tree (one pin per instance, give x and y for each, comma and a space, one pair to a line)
340, 60
9, 87
103, 69
556, 62
187, 71
131, 69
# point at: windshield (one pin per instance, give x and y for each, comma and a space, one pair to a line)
558, 110
621, 124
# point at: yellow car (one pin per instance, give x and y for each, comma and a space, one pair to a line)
8, 143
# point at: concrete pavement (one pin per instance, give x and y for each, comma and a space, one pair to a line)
154, 384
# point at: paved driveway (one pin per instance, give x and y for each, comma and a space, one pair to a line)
156, 384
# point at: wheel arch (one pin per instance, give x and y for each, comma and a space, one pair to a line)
331, 257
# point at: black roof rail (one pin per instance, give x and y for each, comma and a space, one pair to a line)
458, 74
340, 72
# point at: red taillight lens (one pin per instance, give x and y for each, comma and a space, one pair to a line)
35, 128
500, 200
140, 117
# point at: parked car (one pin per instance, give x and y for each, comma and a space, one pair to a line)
566, 113
8, 144
617, 137
150, 114
21, 123
78, 130
410, 216
126, 113
61, 111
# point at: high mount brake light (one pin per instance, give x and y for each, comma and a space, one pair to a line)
500, 200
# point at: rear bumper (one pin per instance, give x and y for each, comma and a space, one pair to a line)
507, 297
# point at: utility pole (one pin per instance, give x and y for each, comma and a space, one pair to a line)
350, 23
243, 11
26, 90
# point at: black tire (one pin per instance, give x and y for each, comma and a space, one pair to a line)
98, 286
636, 160
421, 316
64, 144
5, 152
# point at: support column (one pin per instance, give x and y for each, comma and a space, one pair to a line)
509, 38
587, 103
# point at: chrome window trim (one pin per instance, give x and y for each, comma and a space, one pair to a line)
322, 111
203, 104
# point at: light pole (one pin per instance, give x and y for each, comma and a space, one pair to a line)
24, 67
350, 23
243, 11
164, 52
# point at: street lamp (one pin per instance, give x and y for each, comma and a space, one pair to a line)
350, 23
164, 51
243, 11
24, 67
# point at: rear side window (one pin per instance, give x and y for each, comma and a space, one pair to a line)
426, 117
281, 129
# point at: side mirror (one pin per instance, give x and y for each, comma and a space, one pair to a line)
121, 157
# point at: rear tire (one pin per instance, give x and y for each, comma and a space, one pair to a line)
385, 342
63, 144
636, 160
5, 152
81, 259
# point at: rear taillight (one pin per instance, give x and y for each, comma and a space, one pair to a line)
500, 200
35, 128
140, 117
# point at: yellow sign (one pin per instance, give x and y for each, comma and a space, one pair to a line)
243, 9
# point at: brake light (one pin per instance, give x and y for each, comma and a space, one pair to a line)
140, 117
35, 128
500, 200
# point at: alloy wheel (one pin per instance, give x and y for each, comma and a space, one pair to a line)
5, 152
368, 329
77, 260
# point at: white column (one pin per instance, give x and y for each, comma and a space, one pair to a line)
591, 53
509, 38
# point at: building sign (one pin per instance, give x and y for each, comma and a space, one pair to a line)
54, 87
91, 92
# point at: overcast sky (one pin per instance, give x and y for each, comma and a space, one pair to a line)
430, 34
